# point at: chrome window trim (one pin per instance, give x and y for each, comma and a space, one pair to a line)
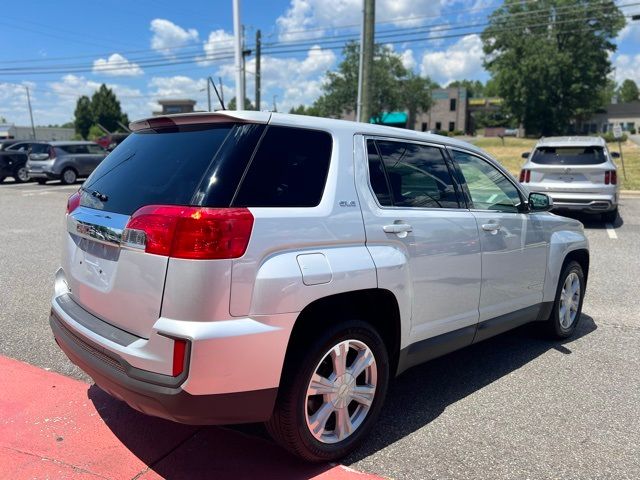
402, 140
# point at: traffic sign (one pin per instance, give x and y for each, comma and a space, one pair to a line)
617, 131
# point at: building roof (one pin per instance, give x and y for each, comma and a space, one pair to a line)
177, 102
629, 109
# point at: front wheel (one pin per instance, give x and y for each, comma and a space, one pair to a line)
332, 391
567, 307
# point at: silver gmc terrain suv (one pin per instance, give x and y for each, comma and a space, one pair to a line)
263, 267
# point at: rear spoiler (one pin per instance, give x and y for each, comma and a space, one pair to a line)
205, 118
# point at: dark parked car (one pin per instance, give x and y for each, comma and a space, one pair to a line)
65, 161
13, 158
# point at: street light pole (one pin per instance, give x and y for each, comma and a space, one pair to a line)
33, 128
238, 55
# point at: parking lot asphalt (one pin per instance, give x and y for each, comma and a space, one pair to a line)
516, 406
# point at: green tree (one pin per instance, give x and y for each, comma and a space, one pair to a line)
392, 85
415, 96
83, 116
247, 104
475, 88
629, 91
549, 57
106, 110
302, 110
95, 132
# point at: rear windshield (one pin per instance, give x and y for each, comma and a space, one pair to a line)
163, 167
568, 155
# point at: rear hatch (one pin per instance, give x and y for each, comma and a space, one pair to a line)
169, 168
576, 169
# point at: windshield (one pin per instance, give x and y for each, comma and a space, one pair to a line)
569, 155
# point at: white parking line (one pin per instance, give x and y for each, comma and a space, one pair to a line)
611, 232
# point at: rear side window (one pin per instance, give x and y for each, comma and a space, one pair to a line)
95, 149
568, 156
289, 169
161, 167
417, 175
74, 149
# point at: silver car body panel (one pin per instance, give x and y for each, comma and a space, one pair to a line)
238, 314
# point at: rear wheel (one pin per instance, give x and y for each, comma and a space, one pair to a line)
567, 307
21, 175
332, 391
69, 176
610, 217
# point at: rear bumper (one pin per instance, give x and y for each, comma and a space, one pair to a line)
41, 174
584, 202
232, 371
172, 403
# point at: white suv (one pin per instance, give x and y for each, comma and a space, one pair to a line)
577, 172
253, 266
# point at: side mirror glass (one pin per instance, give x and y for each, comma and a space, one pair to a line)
540, 202
525, 155
615, 155
38, 157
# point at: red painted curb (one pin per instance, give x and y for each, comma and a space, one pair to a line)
52, 426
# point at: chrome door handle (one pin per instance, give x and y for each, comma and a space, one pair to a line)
398, 228
491, 227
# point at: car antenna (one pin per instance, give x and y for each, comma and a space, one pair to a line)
209, 79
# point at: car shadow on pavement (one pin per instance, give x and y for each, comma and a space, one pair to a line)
421, 394
415, 399
175, 451
593, 221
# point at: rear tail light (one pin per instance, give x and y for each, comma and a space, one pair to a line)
610, 177
190, 232
525, 176
179, 356
73, 202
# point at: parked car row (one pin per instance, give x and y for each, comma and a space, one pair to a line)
42, 161
578, 173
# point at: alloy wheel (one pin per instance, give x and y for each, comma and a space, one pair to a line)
341, 391
569, 300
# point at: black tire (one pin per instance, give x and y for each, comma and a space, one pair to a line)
288, 425
41, 181
554, 325
610, 217
21, 175
68, 176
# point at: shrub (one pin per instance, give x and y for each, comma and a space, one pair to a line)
609, 138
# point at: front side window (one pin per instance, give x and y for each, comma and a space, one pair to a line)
19, 147
410, 175
289, 169
488, 187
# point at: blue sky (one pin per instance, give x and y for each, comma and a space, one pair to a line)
152, 49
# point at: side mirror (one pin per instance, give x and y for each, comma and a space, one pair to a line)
38, 157
615, 155
540, 202
525, 155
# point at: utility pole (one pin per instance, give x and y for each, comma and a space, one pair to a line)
33, 128
275, 107
209, 93
238, 56
367, 65
258, 46
360, 65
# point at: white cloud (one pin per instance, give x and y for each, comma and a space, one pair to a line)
219, 43
320, 15
295, 81
116, 66
178, 87
631, 31
168, 37
408, 60
627, 66
461, 60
